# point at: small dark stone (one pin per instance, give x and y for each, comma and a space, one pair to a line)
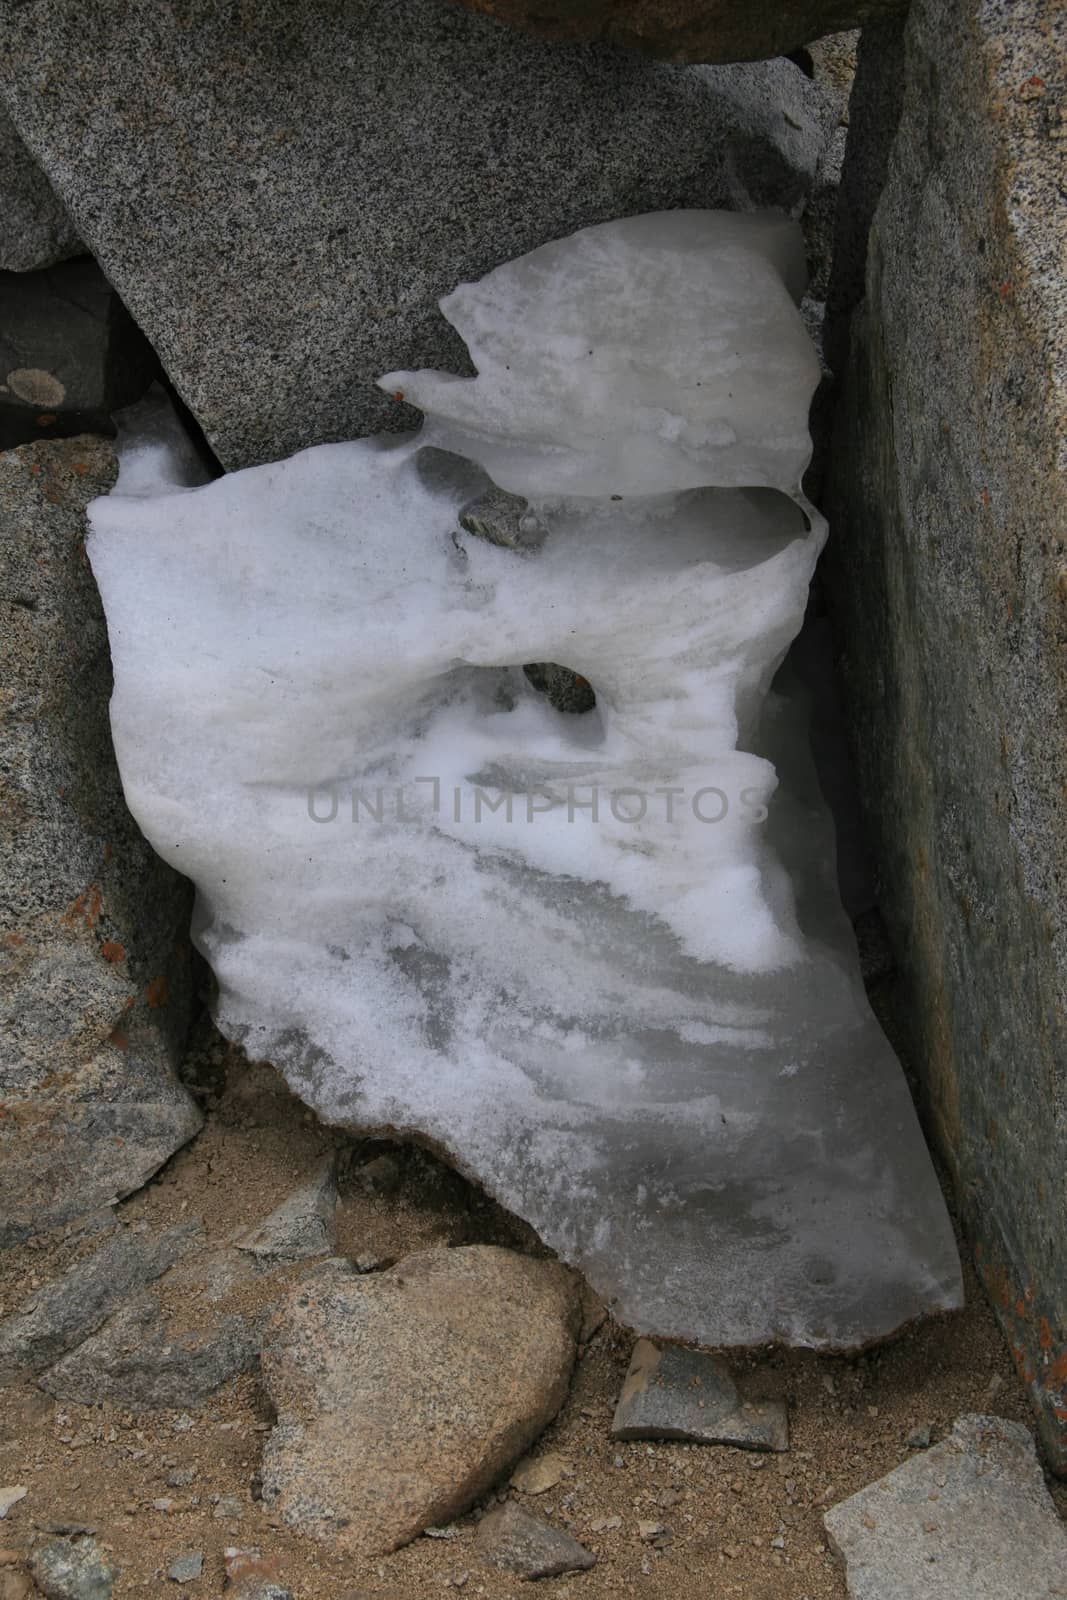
512, 1538
686, 1394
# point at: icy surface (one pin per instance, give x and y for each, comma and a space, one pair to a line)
642, 1028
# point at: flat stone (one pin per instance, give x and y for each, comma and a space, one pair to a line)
945, 574
59, 1315
10, 1496
344, 220
970, 1517
96, 980
513, 1538
138, 1360
691, 30
303, 1225
403, 1396
675, 1393
35, 230
72, 1569
70, 354
187, 1568
538, 1474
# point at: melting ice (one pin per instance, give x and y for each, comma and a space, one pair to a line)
594, 952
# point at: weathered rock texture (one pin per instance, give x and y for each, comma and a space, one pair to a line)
971, 1517
281, 196
691, 30
402, 1396
95, 976
948, 561
35, 230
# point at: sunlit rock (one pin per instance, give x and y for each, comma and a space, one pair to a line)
596, 954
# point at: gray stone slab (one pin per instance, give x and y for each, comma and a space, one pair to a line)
676, 1393
969, 1519
96, 982
62, 1313
35, 230
282, 195
138, 1360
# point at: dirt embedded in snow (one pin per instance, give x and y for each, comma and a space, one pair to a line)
738, 1525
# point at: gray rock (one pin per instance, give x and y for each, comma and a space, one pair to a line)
72, 1569
95, 969
946, 576
969, 1518
513, 1538
686, 1394
303, 1225
402, 1396
35, 230
359, 161
58, 1316
187, 1568
138, 1359
70, 354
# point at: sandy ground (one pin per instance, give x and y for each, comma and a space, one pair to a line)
739, 1524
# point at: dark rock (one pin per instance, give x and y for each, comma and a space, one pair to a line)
512, 1538
359, 161
691, 30
58, 1316
402, 1396
946, 573
70, 354
971, 1517
96, 979
35, 230
72, 1569
685, 1394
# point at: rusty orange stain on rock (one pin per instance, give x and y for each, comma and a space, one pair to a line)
111, 950
85, 908
156, 993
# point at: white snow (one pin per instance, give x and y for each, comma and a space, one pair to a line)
642, 1028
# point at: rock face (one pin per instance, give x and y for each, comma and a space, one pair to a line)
401, 1397
950, 504
970, 1517
396, 152
95, 977
35, 230
690, 30
70, 354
